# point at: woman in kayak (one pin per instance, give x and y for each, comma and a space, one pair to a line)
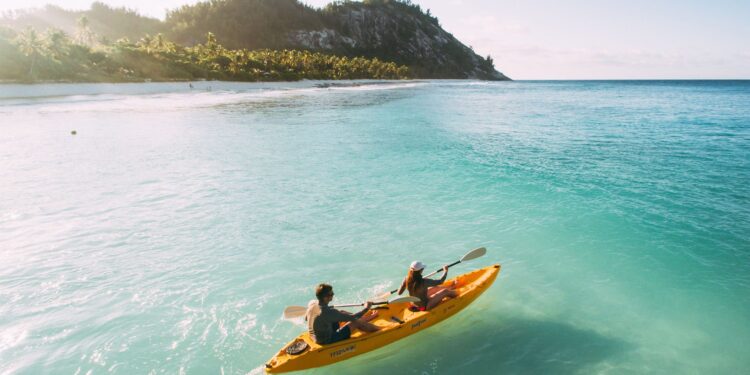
427, 290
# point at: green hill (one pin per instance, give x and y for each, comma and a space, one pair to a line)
389, 30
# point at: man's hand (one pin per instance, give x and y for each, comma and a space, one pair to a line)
368, 304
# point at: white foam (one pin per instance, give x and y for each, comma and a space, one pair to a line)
245, 324
376, 86
180, 101
12, 337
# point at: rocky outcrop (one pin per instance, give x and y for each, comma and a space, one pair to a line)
390, 30
398, 32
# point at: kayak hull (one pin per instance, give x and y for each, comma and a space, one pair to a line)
395, 322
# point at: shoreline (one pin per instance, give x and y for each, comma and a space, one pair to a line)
55, 89
635, 80
48, 82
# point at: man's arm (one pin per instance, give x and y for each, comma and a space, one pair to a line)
343, 316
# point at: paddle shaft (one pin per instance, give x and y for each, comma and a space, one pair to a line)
449, 266
397, 300
361, 304
358, 304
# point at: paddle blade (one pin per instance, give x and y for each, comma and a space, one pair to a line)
474, 254
383, 297
294, 312
404, 299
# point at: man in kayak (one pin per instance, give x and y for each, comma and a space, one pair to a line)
323, 320
427, 290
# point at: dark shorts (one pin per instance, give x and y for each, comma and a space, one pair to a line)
341, 334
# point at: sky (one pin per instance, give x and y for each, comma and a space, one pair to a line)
573, 39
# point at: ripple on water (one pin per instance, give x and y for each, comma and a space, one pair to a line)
169, 234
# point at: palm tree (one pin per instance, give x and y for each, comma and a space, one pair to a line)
212, 45
145, 43
30, 45
84, 35
56, 42
160, 44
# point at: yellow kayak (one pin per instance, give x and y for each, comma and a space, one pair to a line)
396, 322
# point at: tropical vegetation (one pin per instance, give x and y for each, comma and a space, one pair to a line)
389, 30
30, 56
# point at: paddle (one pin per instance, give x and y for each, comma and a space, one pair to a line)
474, 254
395, 300
293, 312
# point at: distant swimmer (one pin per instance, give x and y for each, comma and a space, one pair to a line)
191, 86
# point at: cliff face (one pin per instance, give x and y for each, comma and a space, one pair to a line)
391, 30
397, 32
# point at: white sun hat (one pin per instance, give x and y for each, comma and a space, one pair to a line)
416, 265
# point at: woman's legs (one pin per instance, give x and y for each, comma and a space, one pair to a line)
438, 296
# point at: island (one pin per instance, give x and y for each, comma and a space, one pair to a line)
238, 40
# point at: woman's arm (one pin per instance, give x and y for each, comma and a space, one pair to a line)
402, 287
431, 282
445, 274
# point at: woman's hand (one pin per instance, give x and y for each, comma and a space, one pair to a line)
445, 268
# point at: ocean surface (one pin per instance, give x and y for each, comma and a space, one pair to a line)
168, 234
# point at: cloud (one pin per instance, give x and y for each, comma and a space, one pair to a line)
488, 26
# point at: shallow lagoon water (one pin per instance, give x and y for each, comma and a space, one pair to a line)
170, 232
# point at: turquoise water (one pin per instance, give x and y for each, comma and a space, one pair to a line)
170, 232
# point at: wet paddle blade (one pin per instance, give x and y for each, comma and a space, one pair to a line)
404, 299
474, 254
294, 312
